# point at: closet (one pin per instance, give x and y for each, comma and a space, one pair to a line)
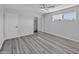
1, 26
11, 25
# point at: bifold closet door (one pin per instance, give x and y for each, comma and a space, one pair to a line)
11, 25
1, 26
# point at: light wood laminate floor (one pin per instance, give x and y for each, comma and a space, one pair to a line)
39, 43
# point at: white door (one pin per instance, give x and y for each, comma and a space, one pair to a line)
1, 26
11, 25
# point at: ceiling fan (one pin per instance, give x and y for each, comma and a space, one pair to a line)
46, 7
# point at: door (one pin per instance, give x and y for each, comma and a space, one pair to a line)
36, 25
11, 25
1, 26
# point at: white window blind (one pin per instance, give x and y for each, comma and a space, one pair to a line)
70, 16
57, 17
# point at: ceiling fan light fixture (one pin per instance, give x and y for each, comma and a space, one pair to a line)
42, 9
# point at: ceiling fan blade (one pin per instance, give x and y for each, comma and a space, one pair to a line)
51, 7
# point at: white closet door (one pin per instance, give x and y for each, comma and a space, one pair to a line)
1, 26
11, 25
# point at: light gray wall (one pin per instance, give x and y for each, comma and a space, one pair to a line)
41, 23
66, 29
25, 25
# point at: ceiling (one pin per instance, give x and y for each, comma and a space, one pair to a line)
56, 7
35, 9
50, 5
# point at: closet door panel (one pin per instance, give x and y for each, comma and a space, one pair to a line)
11, 25
1, 26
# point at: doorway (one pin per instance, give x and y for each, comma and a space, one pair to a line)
35, 24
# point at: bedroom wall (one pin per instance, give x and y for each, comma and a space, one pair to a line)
41, 23
66, 29
25, 25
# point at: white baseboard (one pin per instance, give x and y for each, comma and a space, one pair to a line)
63, 36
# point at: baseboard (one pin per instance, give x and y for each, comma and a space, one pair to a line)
63, 37
19, 36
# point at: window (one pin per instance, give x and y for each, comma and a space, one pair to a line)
69, 16
65, 16
57, 17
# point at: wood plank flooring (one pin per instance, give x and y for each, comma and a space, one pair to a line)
39, 43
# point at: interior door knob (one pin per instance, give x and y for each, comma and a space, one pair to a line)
16, 26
